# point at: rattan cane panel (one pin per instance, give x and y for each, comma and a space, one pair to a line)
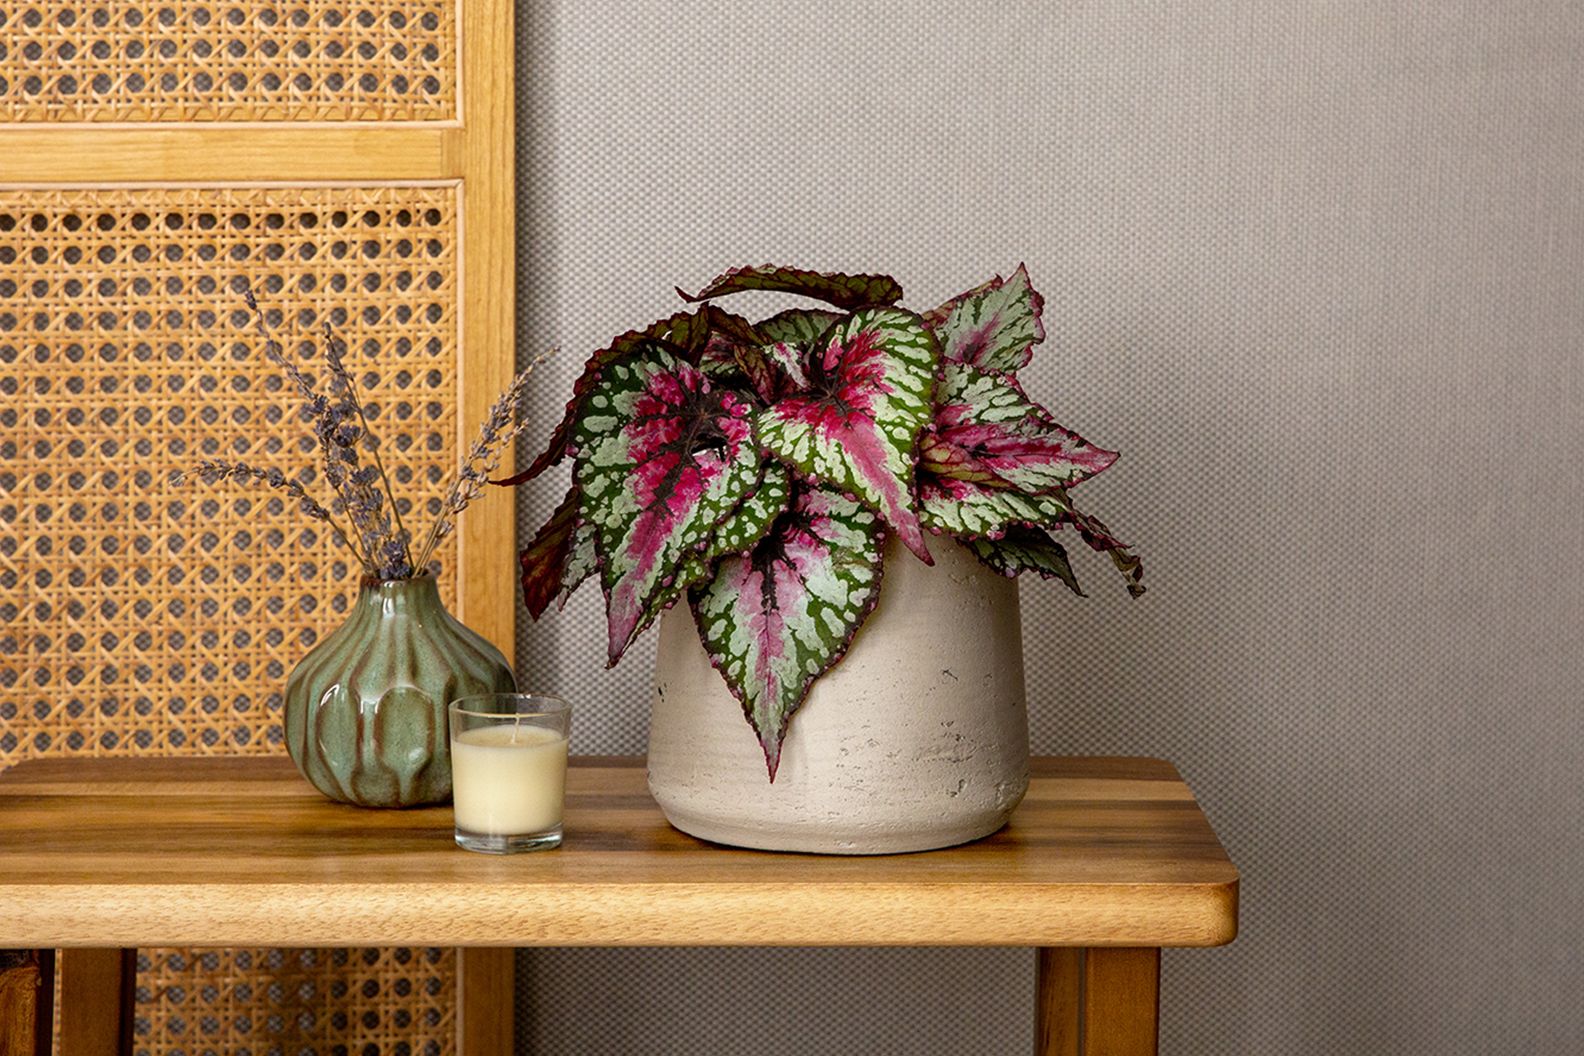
146, 616
142, 617
179, 60
329, 1002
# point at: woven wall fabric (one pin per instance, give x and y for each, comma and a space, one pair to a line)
1313, 268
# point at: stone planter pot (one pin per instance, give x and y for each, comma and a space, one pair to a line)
917, 739
365, 710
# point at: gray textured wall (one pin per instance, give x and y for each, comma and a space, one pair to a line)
1315, 268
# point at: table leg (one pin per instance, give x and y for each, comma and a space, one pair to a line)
1099, 1002
485, 996
27, 998
1121, 1009
97, 988
1059, 975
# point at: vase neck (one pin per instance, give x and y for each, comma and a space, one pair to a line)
391, 597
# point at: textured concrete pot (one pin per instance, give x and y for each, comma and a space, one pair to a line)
917, 739
365, 710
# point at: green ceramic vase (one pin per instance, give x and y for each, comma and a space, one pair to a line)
365, 710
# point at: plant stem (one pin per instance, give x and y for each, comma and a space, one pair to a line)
379, 461
277, 354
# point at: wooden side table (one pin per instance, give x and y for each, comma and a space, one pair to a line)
1106, 861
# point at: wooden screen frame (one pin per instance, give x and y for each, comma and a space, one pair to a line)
472, 151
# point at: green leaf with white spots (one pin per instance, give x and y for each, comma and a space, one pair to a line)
969, 508
663, 456
774, 621
582, 559
871, 378
1025, 549
992, 327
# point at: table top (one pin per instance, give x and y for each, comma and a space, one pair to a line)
241, 851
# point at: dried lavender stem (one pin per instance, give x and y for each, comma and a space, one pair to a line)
379, 460
469, 478
317, 406
216, 470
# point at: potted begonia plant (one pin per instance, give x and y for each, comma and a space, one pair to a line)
752, 484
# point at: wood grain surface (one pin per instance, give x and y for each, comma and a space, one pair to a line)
26, 986
146, 852
487, 598
486, 999
97, 987
1121, 1002
1058, 1000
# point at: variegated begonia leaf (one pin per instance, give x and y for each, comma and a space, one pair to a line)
968, 508
773, 364
1025, 548
871, 377
746, 367
798, 329
686, 332
843, 291
1099, 537
737, 533
544, 561
663, 456
992, 327
986, 431
718, 322
774, 621
582, 560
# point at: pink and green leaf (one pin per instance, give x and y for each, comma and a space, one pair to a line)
796, 331
843, 291
737, 533
969, 508
774, 621
663, 456
544, 561
992, 327
688, 332
986, 431
871, 379
1025, 548
1094, 532
582, 560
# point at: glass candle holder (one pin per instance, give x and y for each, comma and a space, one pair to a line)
508, 771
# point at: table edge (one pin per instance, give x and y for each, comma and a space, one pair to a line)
639, 914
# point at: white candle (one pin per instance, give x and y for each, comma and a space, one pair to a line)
508, 779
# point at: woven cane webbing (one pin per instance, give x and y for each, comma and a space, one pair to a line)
160, 60
147, 618
327, 1002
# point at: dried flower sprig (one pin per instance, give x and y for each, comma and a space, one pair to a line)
392, 547
214, 470
363, 493
500, 428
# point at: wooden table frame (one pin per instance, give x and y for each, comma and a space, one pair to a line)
1107, 861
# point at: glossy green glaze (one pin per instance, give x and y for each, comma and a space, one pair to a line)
365, 710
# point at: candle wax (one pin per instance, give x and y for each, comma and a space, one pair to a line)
508, 779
